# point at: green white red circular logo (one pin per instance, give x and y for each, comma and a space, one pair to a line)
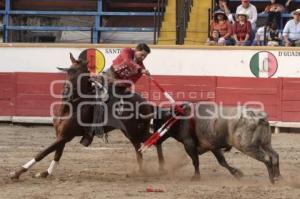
263, 64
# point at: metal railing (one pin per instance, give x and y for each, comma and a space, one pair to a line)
96, 29
158, 18
182, 18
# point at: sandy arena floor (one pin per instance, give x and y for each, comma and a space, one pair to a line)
110, 170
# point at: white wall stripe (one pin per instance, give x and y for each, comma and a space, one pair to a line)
191, 62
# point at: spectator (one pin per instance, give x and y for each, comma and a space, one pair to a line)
289, 4
250, 10
274, 36
291, 31
242, 30
220, 22
274, 10
222, 5
262, 33
213, 40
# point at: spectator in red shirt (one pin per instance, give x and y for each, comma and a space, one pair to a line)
127, 66
220, 23
242, 30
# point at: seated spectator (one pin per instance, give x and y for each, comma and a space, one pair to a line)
274, 36
242, 30
223, 6
269, 35
250, 10
291, 31
221, 23
213, 40
274, 10
261, 36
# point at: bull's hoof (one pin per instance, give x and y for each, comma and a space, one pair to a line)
237, 173
196, 178
14, 176
44, 174
278, 178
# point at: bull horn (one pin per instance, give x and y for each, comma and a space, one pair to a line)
73, 60
145, 117
63, 69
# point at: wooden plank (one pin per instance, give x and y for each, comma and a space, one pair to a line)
291, 99
6, 108
7, 94
242, 91
291, 116
291, 106
246, 82
33, 96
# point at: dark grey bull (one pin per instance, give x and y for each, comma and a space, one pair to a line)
217, 129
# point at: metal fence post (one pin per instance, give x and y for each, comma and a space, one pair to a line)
155, 26
209, 19
96, 33
6, 21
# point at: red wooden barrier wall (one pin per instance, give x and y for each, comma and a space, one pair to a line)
233, 90
7, 94
28, 94
32, 94
290, 100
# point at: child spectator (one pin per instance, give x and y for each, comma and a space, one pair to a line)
274, 36
213, 40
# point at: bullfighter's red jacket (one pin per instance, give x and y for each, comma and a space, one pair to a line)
125, 68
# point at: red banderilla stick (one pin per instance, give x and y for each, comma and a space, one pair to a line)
158, 134
165, 127
169, 97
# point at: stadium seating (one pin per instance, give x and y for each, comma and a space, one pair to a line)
100, 15
116, 20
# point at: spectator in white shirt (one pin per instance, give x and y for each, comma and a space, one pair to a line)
250, 10
291, 31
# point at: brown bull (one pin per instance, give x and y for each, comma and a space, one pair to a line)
215, 129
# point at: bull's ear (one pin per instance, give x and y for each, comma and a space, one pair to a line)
73, 60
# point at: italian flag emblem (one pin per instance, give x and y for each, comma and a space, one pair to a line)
263, 64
